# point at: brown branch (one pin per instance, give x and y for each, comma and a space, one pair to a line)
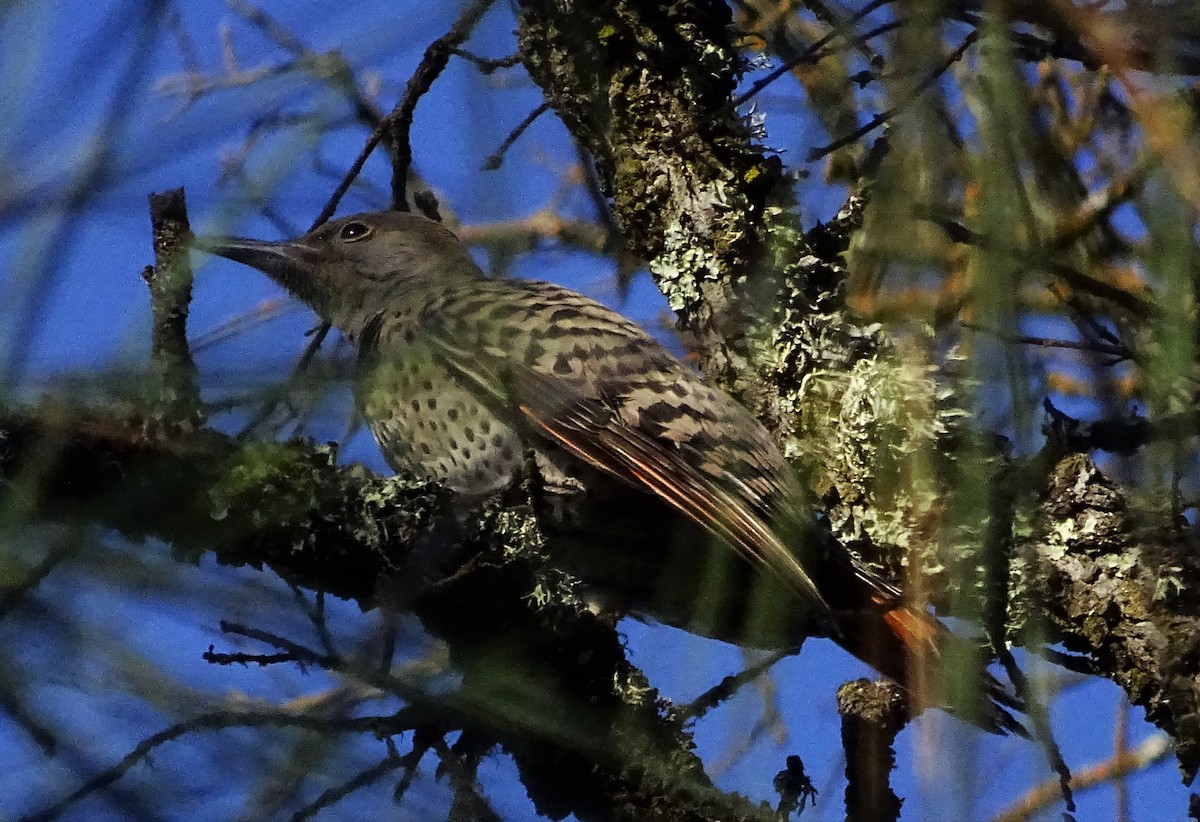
170, 281
434, 61
398, 123
288, 506
1153, 750
1120, 594
494, 160
878, 120
589, 736
540, 227
872, 714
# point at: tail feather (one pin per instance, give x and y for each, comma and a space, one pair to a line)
910, 646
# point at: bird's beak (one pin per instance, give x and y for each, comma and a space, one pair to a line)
296, 266
288, 262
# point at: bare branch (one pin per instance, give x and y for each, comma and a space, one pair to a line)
170, 281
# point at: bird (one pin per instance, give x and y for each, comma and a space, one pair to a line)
463, 376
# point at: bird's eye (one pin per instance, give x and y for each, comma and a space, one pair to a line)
354, 231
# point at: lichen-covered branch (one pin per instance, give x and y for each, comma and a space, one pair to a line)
645, 87
170, 281
542, 676
879, 437
872, 714
1122, 593
288, 506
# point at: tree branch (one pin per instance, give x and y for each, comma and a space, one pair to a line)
170, 281
587, 732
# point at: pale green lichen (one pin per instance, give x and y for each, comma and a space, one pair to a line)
539, 597
682, 264
1170, 583
634, 690
261, 471
1063, 533
868, 434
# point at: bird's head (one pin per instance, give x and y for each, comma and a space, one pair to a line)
350, 269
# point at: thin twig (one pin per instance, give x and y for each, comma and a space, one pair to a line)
1152, 751
397, 125
810, 55
437, 55
730, 685
496, 158
213, 721
268, 407
879, 119
1120, 352
1120, 750
487, 65
1039, 718
337, 793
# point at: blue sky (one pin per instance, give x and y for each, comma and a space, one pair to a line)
71, 283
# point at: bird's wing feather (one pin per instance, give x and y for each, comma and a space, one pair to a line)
593, 429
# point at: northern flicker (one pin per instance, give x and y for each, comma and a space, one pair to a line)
464, 374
